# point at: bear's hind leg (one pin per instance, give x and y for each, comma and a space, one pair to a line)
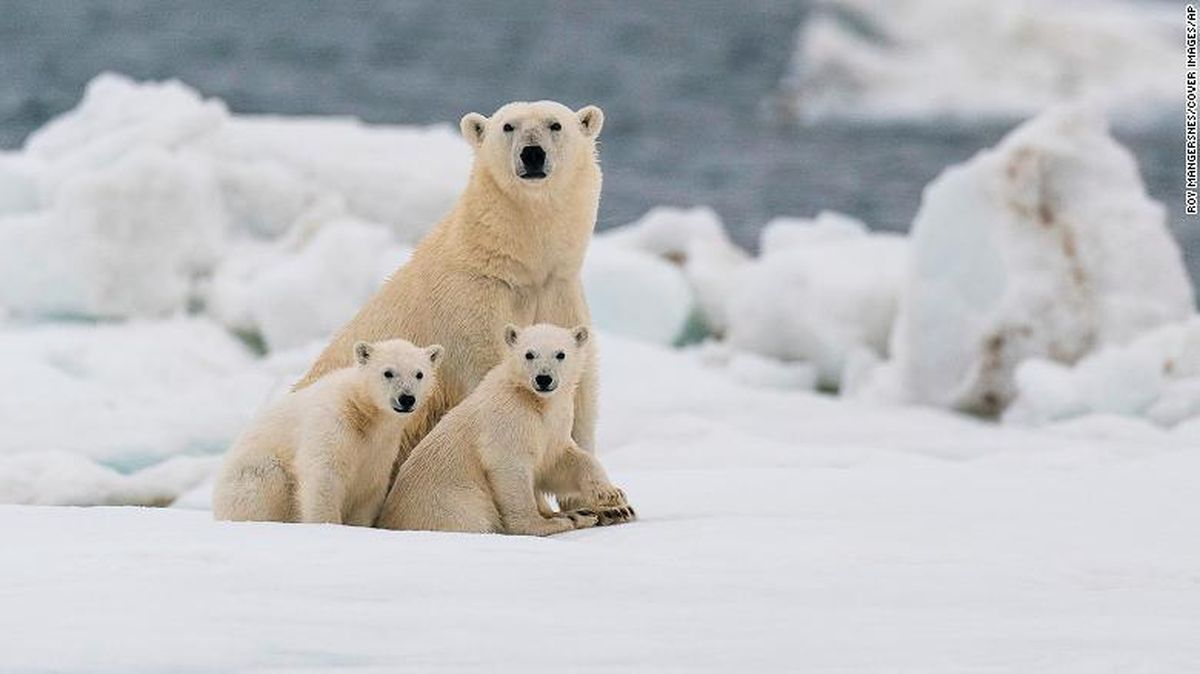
261, 492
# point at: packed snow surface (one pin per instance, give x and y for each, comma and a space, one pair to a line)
978, 58
778, 531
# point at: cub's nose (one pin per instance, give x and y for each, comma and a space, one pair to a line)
406, 402
533, 159
544, 382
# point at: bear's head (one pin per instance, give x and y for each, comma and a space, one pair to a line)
545, 357
530, 147
398, 374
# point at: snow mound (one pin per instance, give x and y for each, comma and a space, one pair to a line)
818, 293
293, 292
757, 371
915, 58
695, 240
125, 206
822, 288
636, 295
783, 234
62, 478
1157, 377
1044, 246
128, 394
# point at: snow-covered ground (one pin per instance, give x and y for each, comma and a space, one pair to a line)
779, 531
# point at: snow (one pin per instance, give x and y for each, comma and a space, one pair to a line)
64, 478
637, 295
127, 394
126, 205
293, 292
821, 289
1157, 376
1044, 246
818, 298
778, 530
912, 59
829, 226
695, 240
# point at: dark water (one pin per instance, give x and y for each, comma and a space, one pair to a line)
689, 90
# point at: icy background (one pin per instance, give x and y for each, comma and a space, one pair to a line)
967, 445
702, 103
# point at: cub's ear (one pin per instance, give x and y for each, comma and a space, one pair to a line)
581, 335
510, 334
435, 353
591, 119
472, 126
362, 352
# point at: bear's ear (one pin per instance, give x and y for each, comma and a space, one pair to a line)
510, 334
472, 126
434, 352
581, 334
362, 352
591, 119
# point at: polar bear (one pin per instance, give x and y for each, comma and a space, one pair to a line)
325, 453
510, 251
486, 467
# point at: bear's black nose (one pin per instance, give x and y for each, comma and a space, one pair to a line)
406, 401
533, 159
543, 381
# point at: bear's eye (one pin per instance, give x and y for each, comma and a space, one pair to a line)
528, 355
508, 128
556, 127
420, 375
388, 374
560, 355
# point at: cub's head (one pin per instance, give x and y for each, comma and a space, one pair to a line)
545, 357
398, 374
533, 146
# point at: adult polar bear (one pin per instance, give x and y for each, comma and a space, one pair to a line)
510, 251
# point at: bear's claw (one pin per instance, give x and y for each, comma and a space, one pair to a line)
618, 515
582, 518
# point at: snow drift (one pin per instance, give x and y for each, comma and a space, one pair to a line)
124, 206
821, 290
1157, 376
1044, 246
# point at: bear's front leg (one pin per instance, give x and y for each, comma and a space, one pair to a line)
579, 482
320, 493
519, 507
583, 430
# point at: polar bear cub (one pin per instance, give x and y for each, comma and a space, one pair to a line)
488, 463
324, 453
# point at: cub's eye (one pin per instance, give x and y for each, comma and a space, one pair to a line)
528, 355
560, 355
388, 374
556, 127
420, 375
508, 128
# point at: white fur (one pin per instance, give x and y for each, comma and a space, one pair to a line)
324, 453
509, 252
488, 464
